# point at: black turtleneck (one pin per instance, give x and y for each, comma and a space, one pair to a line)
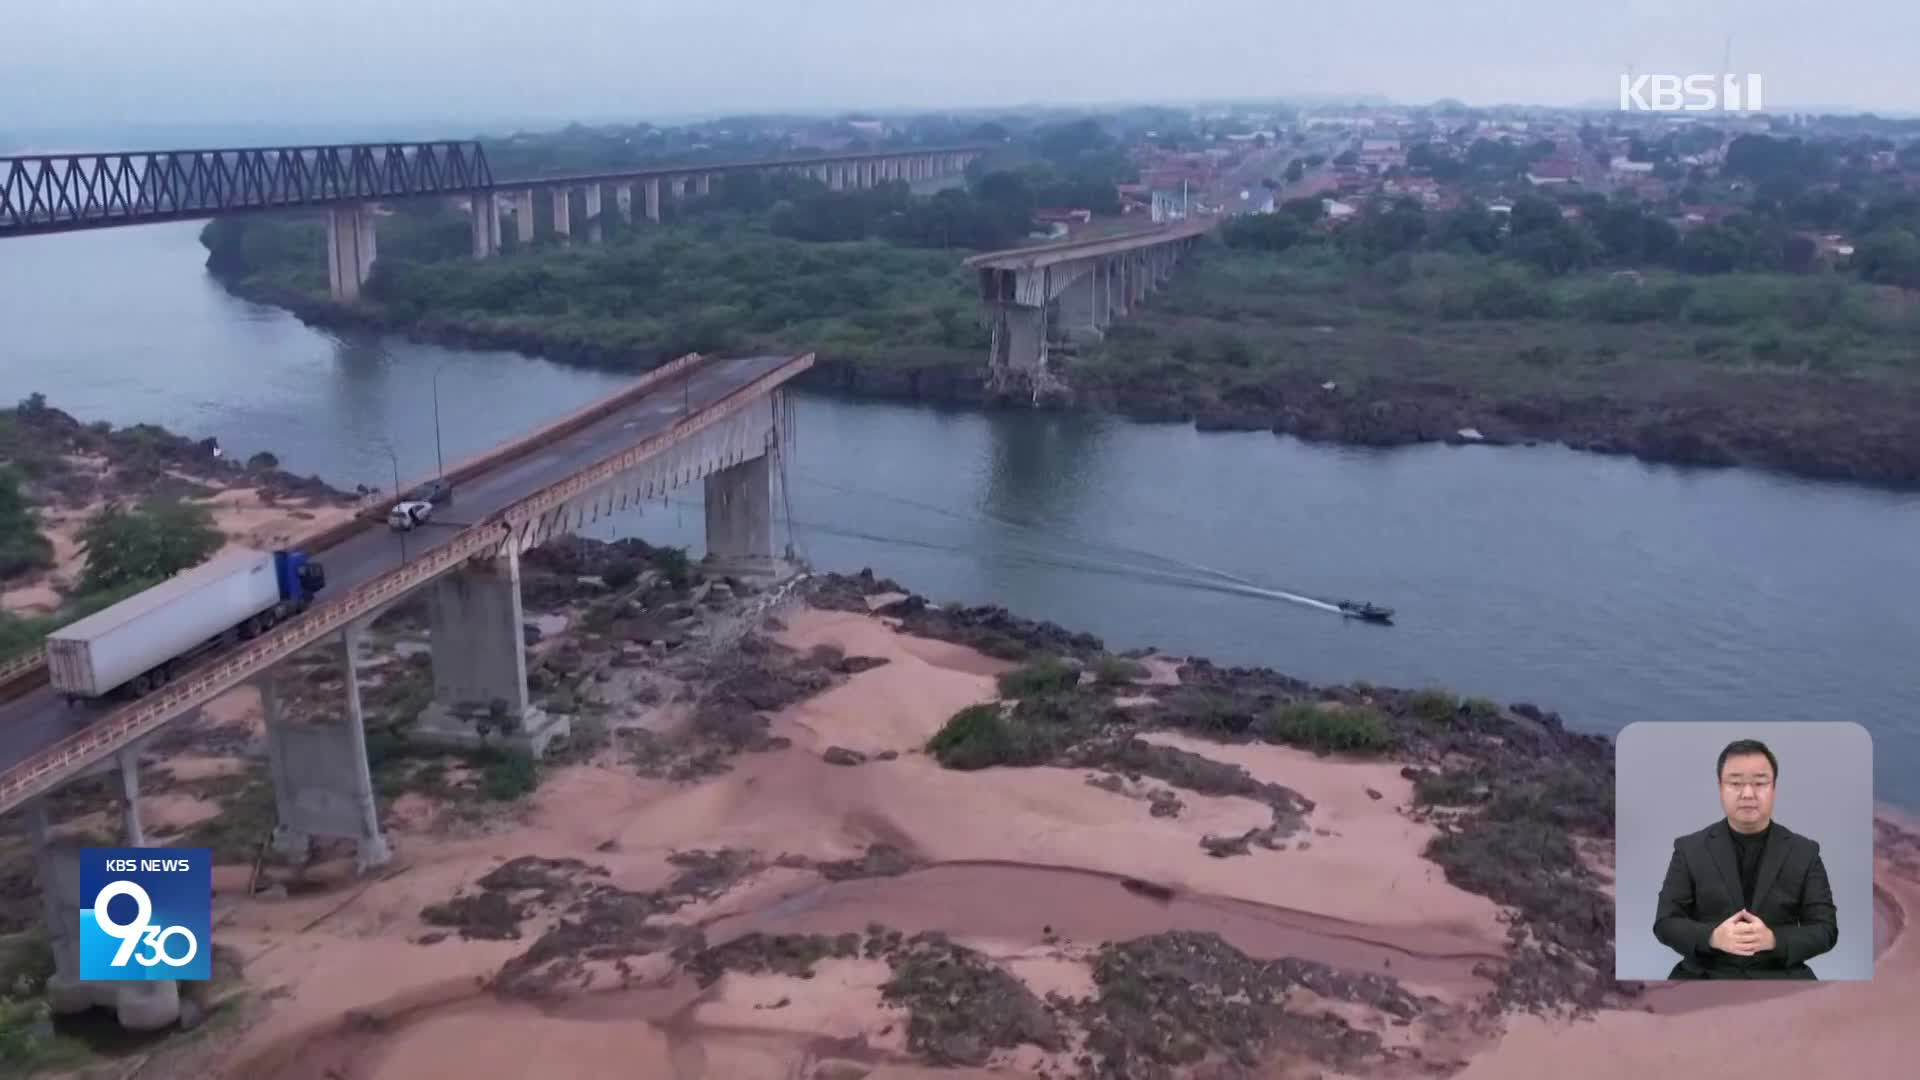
1747, 850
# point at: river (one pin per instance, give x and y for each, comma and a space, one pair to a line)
1605, 588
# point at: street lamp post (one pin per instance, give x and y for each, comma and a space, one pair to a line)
395, 458
439, 458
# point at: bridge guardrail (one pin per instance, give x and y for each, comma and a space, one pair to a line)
45, 770
24, 674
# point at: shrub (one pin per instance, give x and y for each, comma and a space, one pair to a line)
1118, 671
1446, 789
973, 738
1046, 675
506, 774
621, 574
22, 547
1435, 706
672, 562
1356, 730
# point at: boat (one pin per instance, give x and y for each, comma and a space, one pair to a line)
1372, 613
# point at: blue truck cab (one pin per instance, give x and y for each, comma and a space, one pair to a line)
301, 577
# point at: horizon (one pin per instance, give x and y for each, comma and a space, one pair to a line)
456, 67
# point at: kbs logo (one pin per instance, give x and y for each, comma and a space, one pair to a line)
145, 913
1690, 93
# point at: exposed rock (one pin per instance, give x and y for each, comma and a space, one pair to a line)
840, 755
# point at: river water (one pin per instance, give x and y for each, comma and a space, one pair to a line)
1607, 589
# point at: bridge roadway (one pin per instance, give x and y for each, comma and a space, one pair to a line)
39, 719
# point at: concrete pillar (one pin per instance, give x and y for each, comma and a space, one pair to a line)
623, 202
288, 840
834, 177
480, 664
130, 796
1019, 341
139, 1005
702, 184
485, 216
677, 187
350, 250
322, 785
523, 216
739, 511
373, 850
653, 200
593, 213
562, 212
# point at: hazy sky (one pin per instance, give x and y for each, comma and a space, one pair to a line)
490, 63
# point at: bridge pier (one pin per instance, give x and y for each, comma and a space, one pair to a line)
480, 664
593, 213
1080, 305
139, 1004
653, 200
1019, 344
485, 214
350, 250
562, 213
702, 184
523, 217
623, 202
739, 512
322, 785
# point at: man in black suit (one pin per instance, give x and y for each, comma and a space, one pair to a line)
1745, 898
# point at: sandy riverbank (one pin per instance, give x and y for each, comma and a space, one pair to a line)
1032, 874
70, 471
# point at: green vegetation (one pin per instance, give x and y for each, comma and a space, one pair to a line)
720, 283
506, 775
1046, 675
147, 543
22, 548
1434, 706
980, 736
1349, 730
26, 1044
127, 551
1118, 671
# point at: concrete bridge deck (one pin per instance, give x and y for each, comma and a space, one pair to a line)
1035, 256
1069, 290
34, 728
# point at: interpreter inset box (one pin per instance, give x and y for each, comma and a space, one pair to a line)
1743, 851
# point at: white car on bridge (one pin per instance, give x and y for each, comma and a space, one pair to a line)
409, 515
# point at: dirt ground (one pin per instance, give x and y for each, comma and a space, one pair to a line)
758, 871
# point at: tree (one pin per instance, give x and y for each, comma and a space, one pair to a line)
1306, 209
1469, 228
1263, 232
155, 540
1532, 213
1560, 248
1889, 257
1346, 158
22, 548
1296, 169
1710, 249
1381, 233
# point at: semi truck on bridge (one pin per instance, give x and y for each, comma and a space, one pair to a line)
140, 643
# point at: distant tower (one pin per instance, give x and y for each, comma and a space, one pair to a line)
1726, 74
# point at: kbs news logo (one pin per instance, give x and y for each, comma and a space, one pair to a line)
145, 913
1690, 93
